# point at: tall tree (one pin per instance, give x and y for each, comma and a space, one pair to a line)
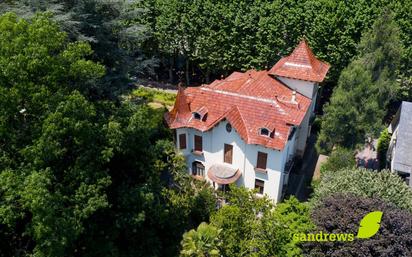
81, 176
114, 29
357, 106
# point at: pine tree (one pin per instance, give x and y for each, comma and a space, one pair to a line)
358, 104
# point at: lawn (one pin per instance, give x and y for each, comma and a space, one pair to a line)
154, 97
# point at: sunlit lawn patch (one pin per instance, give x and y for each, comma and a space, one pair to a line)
154, 97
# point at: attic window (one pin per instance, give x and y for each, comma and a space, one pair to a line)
197, 116
264, 132
200, 114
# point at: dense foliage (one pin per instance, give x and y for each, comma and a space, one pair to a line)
361, 182
365, 88
114, 30
342, 214
200, 40
339, 159
202, 242
216, 37
248, 226
81, 176
382, 148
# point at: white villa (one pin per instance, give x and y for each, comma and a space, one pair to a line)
249, 127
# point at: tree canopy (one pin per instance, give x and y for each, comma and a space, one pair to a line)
365, 88
80, 175
196, 41
248, 226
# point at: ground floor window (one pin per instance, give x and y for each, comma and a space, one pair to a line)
198, 169
259, 185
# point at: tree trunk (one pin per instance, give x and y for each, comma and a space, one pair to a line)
187, 72
171, 69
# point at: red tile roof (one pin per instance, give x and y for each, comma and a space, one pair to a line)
249, 101
301, 64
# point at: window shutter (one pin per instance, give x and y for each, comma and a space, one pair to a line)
182, 141
261, 160
198, 144
228, 153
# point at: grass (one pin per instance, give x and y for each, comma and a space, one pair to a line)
155, 98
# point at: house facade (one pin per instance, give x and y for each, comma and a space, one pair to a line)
399, 154
249, 127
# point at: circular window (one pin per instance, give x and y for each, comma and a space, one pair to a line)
228, 127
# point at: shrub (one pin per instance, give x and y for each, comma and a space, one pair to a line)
339, 159
383, 145
361, 182
251, 226
203, 242
342, 214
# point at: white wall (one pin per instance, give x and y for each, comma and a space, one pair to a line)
310, 90
304, 87
244, 158
302, 134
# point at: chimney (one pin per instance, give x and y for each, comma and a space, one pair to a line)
294, 97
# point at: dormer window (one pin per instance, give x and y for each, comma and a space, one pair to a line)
200, 114
197, 116
264, 132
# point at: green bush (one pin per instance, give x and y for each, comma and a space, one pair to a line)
343, 213
250, 226
339, 159
383, 145
361, 182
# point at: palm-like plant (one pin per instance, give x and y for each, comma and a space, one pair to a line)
203, 242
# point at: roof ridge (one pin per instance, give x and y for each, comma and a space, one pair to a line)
260, 99
181, 104
236, 109
301, 64
307, 50
243, 120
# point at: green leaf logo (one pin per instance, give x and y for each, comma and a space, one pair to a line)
370, 224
